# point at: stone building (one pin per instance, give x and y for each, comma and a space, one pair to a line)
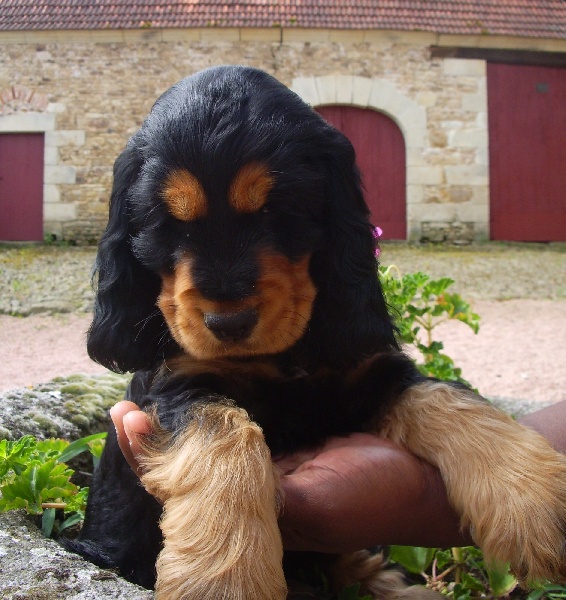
471, 98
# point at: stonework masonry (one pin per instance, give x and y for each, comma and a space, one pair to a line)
89, 91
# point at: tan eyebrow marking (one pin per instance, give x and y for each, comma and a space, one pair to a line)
250, 188
184, 195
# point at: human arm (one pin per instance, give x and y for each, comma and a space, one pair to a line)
361, 490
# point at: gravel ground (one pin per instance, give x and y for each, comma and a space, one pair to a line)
518, 290
52, 279
45, 279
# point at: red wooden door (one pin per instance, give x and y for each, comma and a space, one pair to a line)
380, 154
21, 187
527, 149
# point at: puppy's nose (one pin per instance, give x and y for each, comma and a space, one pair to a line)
231, 326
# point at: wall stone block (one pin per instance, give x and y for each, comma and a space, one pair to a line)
59, 211
468, 138
59, 174
429, 175
467, 175
98, 87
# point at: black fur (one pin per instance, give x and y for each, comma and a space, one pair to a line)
213, 123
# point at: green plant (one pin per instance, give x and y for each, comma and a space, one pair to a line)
548, 592
457, 573
421, 305
34, 476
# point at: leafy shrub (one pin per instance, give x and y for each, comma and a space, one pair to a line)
34, 476
420, 305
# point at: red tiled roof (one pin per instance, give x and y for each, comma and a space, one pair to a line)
535, 18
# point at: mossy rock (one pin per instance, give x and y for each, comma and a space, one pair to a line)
67, 407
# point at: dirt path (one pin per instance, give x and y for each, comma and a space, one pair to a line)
37, 348
519, 353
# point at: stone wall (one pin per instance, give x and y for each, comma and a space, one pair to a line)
95, 88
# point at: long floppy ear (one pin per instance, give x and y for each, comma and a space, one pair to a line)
127, 330
350, 315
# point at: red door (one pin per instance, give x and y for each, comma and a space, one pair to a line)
380, 154
527, 150
21, 187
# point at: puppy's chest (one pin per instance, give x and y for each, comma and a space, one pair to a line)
295, 411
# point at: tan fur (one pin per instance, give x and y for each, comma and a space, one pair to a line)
218, 488
283, 299
369, 570
250, 188
184, 196
504, 479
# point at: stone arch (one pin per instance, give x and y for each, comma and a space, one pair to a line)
19, 98
384, 96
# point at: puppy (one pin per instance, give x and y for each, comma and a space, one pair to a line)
237, 278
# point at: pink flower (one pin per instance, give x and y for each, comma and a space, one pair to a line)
377, 233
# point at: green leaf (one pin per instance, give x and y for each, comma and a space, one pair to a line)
14, 503
14, 455
471, 583
77, 502
437, 287
501, 581
548, 591
96, 449
33, 475
414, 558
82, 445
421, 304
443, 559
50, 448
74, 519
47, 522
461, 593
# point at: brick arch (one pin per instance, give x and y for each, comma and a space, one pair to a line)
18, 98
385, 97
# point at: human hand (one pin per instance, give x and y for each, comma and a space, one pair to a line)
354, 492
360, 491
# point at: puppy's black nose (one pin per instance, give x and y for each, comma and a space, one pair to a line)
232, 326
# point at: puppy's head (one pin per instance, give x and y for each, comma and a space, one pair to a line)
237, 228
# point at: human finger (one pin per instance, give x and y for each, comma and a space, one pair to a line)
130, 422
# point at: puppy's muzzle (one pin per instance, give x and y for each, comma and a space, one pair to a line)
231, 326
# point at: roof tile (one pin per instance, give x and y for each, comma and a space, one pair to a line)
543, 18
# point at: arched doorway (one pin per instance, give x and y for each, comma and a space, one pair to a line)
380, 154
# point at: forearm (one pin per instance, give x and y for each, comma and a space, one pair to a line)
391, 498
400, 499
550, 422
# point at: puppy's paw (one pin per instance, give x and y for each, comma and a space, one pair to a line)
519, 516
505, 480
219, 493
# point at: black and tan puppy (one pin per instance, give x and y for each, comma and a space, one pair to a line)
237, 278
